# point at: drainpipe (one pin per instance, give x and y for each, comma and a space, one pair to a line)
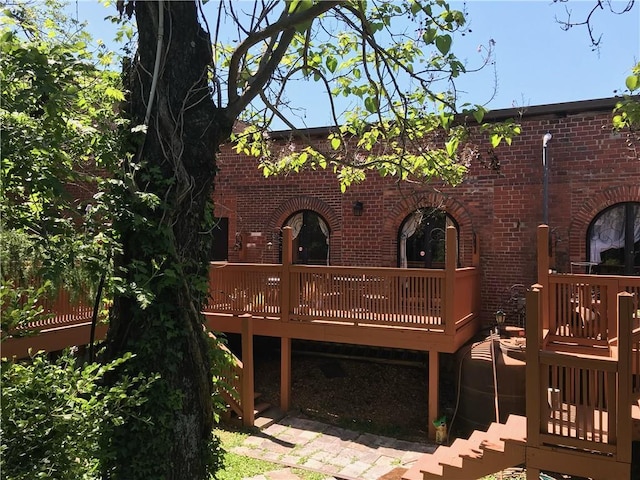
545, 179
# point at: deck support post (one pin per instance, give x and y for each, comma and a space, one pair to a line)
535, 420
533, 473
434, 392
285, 374
248, 413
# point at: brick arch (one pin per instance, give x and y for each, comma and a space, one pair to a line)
588, 211
451, 206
287, 208
604, 199
404, 207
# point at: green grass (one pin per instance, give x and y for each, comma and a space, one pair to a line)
237, 467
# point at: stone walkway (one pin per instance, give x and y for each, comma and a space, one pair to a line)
335, 452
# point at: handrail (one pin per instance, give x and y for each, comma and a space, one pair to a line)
229, 380
356, 295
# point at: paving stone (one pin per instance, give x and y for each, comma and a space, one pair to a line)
375, 472
355, 469
290, 459
410, 457
276, 447
253, 441
284, 474
334, 451
341, 433
384, 461
313, 464
275, 429
323, 456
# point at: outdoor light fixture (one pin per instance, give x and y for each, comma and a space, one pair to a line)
357, 209
238, 244
500, 318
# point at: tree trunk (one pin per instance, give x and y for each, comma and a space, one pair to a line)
165, 248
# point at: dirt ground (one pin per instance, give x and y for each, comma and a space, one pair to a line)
381, 398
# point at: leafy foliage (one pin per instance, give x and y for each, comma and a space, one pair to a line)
627, 111
59, 132
55, 413
394, 61
626, 114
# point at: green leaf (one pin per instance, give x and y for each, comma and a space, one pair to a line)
331, 63
371, 104
429, 35
443, 44
633, 82
293, 5
478, 115
335, 143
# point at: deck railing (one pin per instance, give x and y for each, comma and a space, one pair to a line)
59, 309
428, 299
580, 310
575, 401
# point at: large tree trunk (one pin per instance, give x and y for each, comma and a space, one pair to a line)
165, 250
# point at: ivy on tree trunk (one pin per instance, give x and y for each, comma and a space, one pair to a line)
162, 222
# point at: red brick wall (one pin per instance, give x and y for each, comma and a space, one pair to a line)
590, 168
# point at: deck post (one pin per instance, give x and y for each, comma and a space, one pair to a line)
543, 272
285, 374
434, 388
532, 473
285, 275
450, 280
248, 414
534, 344
625, 319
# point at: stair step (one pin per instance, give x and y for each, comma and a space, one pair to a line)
459, 450
475, 440
492, 440
261, 407
515, 429
484, 452
268, 418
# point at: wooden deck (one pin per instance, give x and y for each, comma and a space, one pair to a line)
416, 309
582, 385
582, 343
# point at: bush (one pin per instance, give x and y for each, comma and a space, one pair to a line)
53, 414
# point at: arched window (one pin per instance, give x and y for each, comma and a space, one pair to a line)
310, 234
421, 239
613, 240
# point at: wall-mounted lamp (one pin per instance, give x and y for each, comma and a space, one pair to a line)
500, 318
358, 207
238, 244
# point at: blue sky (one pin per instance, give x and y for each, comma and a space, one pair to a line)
536, 61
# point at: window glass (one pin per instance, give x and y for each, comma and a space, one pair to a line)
421, 242
310, 234
614, 240
220, 243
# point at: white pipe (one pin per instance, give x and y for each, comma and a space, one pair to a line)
545, 179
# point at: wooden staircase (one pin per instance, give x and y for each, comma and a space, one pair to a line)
500, 447
264, 414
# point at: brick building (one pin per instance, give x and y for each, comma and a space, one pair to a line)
593, 201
